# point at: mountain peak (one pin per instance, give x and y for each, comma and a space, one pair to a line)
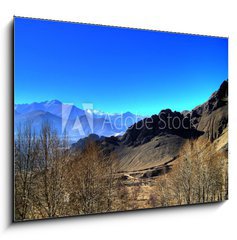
54, 101
127, 113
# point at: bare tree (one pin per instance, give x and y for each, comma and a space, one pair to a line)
26, 154
92, 182
49, 196
163, 191
200, 175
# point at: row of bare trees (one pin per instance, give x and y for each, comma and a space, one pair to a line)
52, 181
199, 176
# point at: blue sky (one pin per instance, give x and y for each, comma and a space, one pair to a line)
116, 69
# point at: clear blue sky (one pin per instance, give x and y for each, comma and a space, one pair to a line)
116, 69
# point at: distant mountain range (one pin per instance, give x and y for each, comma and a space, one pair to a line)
76, 122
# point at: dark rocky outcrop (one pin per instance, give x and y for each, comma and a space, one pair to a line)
167, 122
210, 119
80, 145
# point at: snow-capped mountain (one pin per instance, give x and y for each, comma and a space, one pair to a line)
76, 122
54, 107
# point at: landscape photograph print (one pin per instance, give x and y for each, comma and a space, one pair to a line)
111, 119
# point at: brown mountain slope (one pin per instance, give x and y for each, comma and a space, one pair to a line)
143, 149
212, 116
